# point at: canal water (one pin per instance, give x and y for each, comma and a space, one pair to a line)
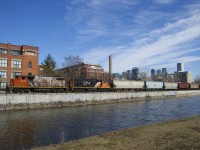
41, 127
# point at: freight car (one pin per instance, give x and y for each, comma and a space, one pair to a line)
194, 86
170, 86
26, 84
183, 86
126, 85
151, 85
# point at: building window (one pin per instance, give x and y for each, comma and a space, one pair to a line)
31, 53
3, 63
91, 75
14, 74
3, 51
3, 74
16, 64
15, 52
3, 85
30, 64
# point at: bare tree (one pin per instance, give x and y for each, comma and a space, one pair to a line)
143, 76
197, 79
72, 60
71, 66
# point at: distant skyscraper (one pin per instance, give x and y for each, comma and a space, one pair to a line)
135, 73
159, 72
153, 72
180, 67
129, 74
115, 75
164, 70
124, 75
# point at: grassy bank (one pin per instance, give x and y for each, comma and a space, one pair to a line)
180, 134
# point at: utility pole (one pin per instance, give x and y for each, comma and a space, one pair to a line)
110, 67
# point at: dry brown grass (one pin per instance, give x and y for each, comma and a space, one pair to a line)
181, 134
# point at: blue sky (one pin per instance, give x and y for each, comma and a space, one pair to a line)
138, 33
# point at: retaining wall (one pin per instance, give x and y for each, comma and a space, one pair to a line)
31, 101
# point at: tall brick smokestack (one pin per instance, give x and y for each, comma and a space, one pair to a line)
110, 67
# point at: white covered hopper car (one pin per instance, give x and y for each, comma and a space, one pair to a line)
170, 86
127, 85
152, 85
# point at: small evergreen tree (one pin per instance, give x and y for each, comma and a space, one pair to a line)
49, 65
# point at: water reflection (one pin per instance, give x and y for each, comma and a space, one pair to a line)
26, 129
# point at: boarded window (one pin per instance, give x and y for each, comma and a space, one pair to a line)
15, 52
30, 53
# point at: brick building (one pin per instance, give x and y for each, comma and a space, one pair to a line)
17, 60
86, 71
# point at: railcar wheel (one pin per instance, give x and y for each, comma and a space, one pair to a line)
60, 90
26, 91
53, 91
81, 90
57, 90
21, 90
15, 90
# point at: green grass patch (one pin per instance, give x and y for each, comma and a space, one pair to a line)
181, 134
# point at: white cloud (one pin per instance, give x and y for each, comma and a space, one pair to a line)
167, 46
157, 52
148, 38
164, 1
98, 18
130, 2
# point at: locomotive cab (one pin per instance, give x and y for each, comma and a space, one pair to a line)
19, 83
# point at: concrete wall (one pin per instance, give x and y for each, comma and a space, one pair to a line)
30, 101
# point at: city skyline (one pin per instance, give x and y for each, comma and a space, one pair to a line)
153, 72
148, 34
